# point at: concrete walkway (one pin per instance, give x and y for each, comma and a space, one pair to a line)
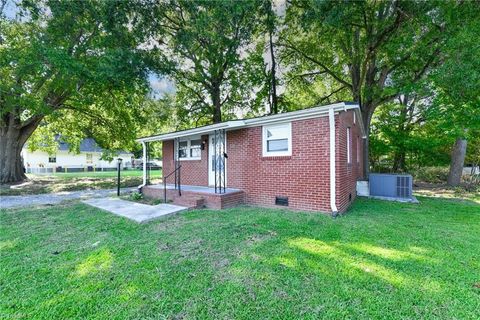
55, 198
133, 210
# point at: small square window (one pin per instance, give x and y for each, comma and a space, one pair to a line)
52, 159
277, 140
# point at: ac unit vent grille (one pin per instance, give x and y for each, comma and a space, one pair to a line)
403, 187
390, 185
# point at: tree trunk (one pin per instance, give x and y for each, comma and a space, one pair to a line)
217, 105
273, 75
367, 112
12, 139
456, 165
399, 160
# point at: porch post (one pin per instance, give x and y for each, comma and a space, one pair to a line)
144, 146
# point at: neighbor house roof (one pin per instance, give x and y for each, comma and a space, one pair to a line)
258, 121
86, 145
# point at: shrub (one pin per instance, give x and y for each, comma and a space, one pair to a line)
431, 174
136, 196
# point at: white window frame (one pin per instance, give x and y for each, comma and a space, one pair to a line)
349, 145
288, 127
89, 161
189, 147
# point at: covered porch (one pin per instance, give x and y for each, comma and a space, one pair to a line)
196, 157
195, 165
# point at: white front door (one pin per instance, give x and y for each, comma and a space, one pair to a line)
211, 161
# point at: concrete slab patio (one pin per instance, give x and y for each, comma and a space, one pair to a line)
135, 211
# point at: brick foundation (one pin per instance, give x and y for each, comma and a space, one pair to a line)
195, 199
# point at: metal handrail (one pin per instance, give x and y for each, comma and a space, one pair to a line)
165, 183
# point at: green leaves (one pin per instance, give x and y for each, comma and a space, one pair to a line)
209, 47
79, 63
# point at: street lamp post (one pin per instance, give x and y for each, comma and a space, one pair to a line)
119, 166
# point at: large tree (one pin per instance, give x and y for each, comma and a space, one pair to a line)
59, 58
367, 50
457, 84
210, 48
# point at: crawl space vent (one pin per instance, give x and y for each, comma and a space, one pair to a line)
281, 201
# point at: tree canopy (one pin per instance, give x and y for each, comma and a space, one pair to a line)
77, 61
211, 52
80, 68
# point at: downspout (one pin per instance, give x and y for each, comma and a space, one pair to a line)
144, 164
331, 122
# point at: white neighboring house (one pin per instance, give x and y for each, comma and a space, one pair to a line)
64, 161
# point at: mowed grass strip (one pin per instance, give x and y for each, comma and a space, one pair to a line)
76, 181
381, 260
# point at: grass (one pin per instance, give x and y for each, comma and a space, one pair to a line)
381, 260
74, 181
101, 174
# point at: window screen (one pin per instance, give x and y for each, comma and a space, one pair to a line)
182, 149
190, 149
277, 139
195, 151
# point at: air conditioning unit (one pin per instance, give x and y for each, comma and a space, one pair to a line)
391, 185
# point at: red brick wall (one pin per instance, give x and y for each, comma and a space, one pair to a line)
347, 174
193, 172
303, 177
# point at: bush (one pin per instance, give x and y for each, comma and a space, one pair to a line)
431, 174
136, 196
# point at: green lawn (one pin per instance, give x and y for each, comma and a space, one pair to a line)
381, 260
104, 174
74, 181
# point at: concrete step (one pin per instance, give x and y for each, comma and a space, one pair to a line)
190, 201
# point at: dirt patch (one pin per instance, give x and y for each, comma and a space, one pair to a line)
444, 191
256, 238
49, 184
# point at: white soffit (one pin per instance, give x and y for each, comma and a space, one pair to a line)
253, 122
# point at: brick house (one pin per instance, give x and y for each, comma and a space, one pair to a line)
309, 160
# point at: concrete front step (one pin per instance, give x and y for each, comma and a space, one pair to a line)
189, 201
197, 197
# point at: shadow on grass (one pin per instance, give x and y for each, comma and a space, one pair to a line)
381, 259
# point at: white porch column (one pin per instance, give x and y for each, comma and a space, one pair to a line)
144, 164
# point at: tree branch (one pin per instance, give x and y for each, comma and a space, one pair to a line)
315, 61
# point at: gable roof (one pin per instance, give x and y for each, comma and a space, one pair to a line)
86, 145
258, 121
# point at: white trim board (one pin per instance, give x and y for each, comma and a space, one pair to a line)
255, 122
